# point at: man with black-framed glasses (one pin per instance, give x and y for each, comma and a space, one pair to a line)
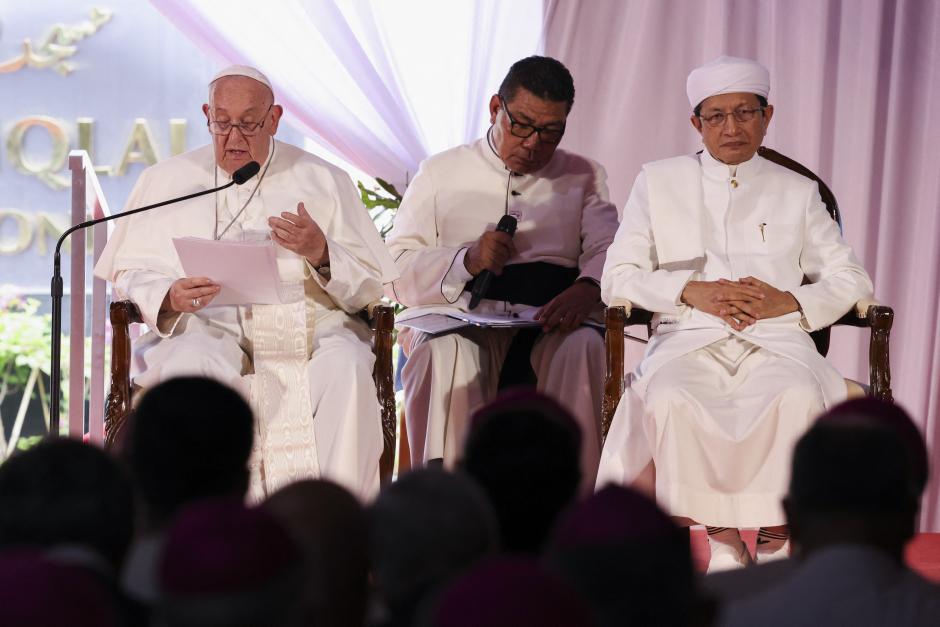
444, 238
305, 364
717, 245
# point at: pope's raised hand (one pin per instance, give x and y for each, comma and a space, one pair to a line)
298, 233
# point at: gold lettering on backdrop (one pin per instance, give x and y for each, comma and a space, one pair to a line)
57, 46
86, 141
24, 229
46, 230
46, 172
177, 136
139, 147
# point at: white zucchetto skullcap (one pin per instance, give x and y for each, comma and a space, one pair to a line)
243, 70
727, 75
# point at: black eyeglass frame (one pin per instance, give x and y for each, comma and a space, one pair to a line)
515, 124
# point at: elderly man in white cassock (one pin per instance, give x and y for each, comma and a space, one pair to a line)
444, 238
717, 245
306, 366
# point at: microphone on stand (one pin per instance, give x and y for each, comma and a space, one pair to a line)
240, 176
507, 224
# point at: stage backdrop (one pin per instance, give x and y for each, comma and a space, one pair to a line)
112, 77
856, 89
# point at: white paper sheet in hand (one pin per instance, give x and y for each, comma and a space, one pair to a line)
247, 271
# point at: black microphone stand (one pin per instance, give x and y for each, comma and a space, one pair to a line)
56, 289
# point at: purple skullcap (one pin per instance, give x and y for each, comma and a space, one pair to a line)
893, 416
510, 591
221, 547
36, 591
615, 514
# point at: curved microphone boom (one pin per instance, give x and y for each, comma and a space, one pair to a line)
507, 224
239, 177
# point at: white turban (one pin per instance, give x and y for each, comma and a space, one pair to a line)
727, 75
243, 70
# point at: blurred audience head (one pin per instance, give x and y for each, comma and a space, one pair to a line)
38, 591
508, 591
523, 449
626, 557
857, 477
65, 494
425, 528
228, 565
331, 529
190, 439
895, 417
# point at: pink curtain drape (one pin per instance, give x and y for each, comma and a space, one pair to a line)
856, 87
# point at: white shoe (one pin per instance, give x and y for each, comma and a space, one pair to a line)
782, 553
727, 557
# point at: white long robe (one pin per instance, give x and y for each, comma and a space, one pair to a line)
718, 411
335, 432
564, 218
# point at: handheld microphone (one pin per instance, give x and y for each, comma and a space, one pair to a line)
507, 224
239, 177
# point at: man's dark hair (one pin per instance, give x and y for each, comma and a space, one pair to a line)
545, 77
524, 450
190, 439
65, 492
698, 108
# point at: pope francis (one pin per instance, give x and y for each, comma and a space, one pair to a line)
306, 365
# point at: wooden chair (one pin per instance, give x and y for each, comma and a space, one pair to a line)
380, 317
877, 318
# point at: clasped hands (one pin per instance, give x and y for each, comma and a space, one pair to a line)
564, 313
739, 303
297, 232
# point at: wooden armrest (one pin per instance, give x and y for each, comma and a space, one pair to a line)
632, 315
865, 313
879, 318
123, 314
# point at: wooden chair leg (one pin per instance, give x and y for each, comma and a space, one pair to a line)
613, 383
383, 321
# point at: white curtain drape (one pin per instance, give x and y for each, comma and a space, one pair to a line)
380, 83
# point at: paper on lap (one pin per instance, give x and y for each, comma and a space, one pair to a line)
247, 270
435, 323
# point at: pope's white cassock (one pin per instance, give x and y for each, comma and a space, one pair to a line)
564, 218
719, 410
269, 352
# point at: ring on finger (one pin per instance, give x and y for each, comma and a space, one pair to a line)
195, 302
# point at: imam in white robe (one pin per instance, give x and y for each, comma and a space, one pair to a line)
718, 411
564, 218
335, 433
